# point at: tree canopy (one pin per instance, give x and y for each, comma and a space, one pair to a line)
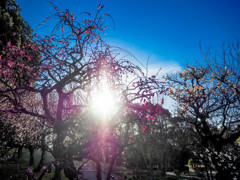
209, 98
14, 28
74, 60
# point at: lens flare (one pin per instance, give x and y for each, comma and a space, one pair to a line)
103, 102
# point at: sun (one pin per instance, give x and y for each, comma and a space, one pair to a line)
103, 101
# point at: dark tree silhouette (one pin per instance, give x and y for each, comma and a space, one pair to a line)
73, 60
209, 98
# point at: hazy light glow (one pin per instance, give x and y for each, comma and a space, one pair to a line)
103, 101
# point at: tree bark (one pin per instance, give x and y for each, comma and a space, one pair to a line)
39, 167
31, 151
58, 152
70, 171
57, 174
111, 168
99, 170
20, 151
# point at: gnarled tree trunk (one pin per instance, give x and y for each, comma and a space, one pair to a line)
99, 170
31, 151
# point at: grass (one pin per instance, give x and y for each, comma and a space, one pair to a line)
10, 169
20, 172
48, 176
143, 176
160, 178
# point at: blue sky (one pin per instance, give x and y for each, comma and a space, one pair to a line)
169, 31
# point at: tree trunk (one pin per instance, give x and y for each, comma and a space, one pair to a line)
31, 151
99, 170
57, 174
206, 170
70, 171
39, 167
58, 152
110, 168
20, 151
163, 170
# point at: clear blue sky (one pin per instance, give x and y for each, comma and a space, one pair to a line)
167, 30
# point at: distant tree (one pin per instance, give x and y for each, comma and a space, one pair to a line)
15, 32
6, 134
114, 140
209, 99
13, 27
161, 146
23, 131
224, 65
183, 137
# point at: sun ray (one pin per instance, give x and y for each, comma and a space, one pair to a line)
103, 101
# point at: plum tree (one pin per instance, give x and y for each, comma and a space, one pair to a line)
74, 59
209, 98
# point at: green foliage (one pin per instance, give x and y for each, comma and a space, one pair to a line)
50, 175
17, 168
14, 170
164, 146
13, 27
7, 169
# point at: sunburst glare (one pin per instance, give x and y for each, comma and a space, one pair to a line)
104, 103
